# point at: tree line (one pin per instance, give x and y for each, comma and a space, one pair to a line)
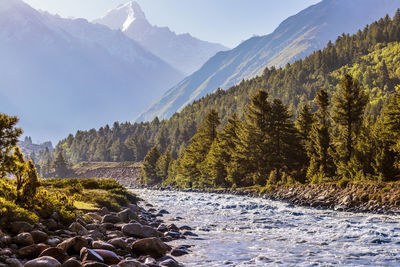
370, 56
337, 141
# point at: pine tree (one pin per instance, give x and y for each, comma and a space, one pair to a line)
149, 169
60, 166
191, 160
31, 184
163, 166
304, 124
321, 162
348, 111
9, 135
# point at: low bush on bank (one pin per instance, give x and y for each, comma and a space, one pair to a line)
10, 211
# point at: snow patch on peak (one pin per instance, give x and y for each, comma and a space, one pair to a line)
134, 12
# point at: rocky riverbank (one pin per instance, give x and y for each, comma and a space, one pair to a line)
383, 198
133, 237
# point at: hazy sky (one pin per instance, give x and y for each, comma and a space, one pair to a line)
225, 21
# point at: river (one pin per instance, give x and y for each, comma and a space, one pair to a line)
245, 231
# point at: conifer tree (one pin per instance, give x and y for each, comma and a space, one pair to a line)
9, 135
348, 111
321, 162
149, 169
304, 124
60, 166
163, 166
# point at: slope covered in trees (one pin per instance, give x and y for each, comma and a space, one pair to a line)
370, 56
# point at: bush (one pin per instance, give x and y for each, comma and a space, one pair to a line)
10, 212
7, 189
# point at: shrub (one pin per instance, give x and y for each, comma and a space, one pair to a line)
10, 212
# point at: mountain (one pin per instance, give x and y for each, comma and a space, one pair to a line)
295, 38
181, 51
59, 75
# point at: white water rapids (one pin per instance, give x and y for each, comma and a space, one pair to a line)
245, 231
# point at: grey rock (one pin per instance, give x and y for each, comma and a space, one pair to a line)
109, 257
150, 246
56, 253
13, 262
78, 228
53, 241
179, 252
20, 226
109, 218
94, 264
127, 215
118, 242
131, 263
45, 261
72, 263
87, 254
94, 216
39, 236
74, 243
102, 245
24, 239
96, 234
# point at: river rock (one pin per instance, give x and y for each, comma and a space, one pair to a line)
179, 252
24, 239
39, 236
118, 242
56, 253
109, 218
74, 243
102, 245
189, 233
96, 234
131, 263
78, 228
94, 216
72, 263
104, 211
162, 228
45, 261
185, 227
13, 262
6, 239
109, 257
87, 254
53, 241
134, 207
20, 227
127, 215
50, 224
169, 262
150, 246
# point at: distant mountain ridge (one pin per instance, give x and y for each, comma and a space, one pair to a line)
59, 75
295, 38
182, 51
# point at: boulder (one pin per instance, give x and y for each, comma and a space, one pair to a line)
118, 242
29, 252
102, 245
87, 254
169, 263
127, 215
74, 244
96, 234
109, 218
138, 230
104, 211
131, 263
78, 228
53, 241
179, 252
24, 239
20, 226
109, 257
56, 253
72, 263
150, 246
50, 224
45, 261
39, 236
94, 216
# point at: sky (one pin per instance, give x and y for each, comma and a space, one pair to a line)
228, 22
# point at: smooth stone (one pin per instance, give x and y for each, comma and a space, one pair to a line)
109, 218
24, 239
94, 264
109, 257
78, 228
39, 236
104, 211
88, 254
29, 252
102, 245
56, 253
74, 243
169, 263
118, 242
185, 227
150, 246
179, 252
53, 241
189, 233
51, 224
94, 216
45, 261
127, 215
95, 234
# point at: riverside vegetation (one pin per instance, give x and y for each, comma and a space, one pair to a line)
75, 222
332, 117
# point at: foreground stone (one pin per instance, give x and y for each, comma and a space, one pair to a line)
150, 246
45, 261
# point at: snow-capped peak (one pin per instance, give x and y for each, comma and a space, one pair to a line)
8, 4
123, 16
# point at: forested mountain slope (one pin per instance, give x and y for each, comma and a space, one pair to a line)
295, 38
371, 55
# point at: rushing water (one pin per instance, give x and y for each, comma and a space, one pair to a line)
244, 231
